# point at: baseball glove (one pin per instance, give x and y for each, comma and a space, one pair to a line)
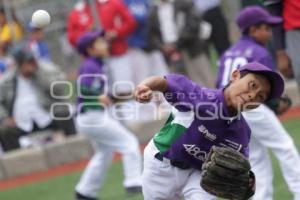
226, 173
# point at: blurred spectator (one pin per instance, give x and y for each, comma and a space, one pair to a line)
37, 44
212, 13
80, 20
287, 37
146, 61
175, 25
10, 31
118, 23
26, 98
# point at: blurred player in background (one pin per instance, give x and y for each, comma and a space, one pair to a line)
267, 131
106, 134
146, 60
212, 13
174, 27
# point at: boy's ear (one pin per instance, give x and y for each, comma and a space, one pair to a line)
89, 50
252, 29
236, 74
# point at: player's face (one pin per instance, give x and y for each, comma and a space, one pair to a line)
261, 33
247, 92
99, 48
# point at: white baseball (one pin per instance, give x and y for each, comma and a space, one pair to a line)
40, 18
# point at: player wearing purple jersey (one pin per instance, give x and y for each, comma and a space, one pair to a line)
106, 134
267, 131
201, 118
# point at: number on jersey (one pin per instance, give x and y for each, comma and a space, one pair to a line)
231, 64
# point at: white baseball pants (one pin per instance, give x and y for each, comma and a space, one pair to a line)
268, 132
162, 181
108, 136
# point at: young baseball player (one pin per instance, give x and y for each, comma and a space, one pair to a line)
201, 118
106, 134
267, 131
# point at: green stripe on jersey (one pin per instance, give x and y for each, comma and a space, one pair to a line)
176, 125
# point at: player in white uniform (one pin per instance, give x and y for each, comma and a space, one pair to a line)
267, 131
106, 134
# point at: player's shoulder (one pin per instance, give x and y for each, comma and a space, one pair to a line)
176, 78
248, 49
89, 65
181, 81
89, 62
258, 50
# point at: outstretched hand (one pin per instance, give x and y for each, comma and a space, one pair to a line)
143, 93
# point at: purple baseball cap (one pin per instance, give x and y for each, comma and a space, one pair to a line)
87, 39
277, 82
253, 15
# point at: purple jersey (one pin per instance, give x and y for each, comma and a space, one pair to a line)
244, 51
91, 83
198, 121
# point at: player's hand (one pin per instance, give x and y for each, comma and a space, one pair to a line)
284, 64
143, 93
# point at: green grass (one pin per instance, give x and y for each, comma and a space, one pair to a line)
61, 188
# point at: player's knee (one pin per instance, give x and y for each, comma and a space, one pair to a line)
132, 141
131, 147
